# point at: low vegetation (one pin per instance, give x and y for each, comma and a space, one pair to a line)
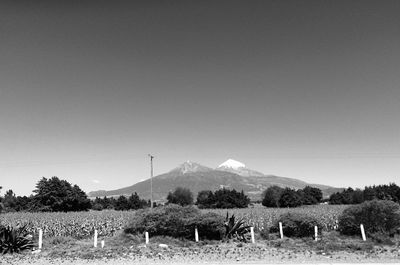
379, 218
297, 225
236, 228
176, 221
14, 240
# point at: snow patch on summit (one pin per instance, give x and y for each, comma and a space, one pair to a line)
230, 163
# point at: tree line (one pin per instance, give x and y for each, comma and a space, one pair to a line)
355, 196
223, 198
276, 197
56, 195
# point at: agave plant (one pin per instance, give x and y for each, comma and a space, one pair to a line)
14, 240
236, 229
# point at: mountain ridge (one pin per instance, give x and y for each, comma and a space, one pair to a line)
197, 177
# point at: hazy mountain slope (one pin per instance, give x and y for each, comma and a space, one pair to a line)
197, 178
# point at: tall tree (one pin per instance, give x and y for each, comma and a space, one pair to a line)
290, 198
59, 195
272, 196
181, 196
311, 195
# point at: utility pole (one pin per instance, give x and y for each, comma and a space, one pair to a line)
151, 180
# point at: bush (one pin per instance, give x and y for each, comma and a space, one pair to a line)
176, 221
377, 216
297, 225
210, 226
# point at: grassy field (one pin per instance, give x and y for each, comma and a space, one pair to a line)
81, 225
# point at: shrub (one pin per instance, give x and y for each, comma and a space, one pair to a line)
176, 221
14, 239
377, 216
209, 225
297, 225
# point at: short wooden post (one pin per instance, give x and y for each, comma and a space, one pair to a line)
40, 238
363, 232
281, 229
196, 234
146, 234
102, 243
316, 233
95, 238
252, 235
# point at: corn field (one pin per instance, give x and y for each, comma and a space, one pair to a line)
82, 224
74, 224
263, 218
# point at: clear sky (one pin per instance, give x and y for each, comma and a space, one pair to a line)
301, 89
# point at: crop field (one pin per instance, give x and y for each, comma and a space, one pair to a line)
72, 224
260, 217
81, 225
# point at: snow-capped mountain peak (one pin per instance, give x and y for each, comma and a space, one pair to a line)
238, 168
230, 163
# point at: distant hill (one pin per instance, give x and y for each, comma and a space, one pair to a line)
231, 174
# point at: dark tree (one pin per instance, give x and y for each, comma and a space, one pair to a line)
272, 196
10, 201
122, 203
336, 198
59, 195
222, 198
357, 196
311, 195
1, 203
181, 196
389, 192
290, 198
205, 199
135, 202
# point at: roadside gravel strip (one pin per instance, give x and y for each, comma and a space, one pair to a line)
224, 253
130, 262
29, 260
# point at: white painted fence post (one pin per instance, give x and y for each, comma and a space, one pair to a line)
40, 238
281, 229
316, 233
146, 234
102, 243
95, 238
252, 235
196, 234
363, 232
